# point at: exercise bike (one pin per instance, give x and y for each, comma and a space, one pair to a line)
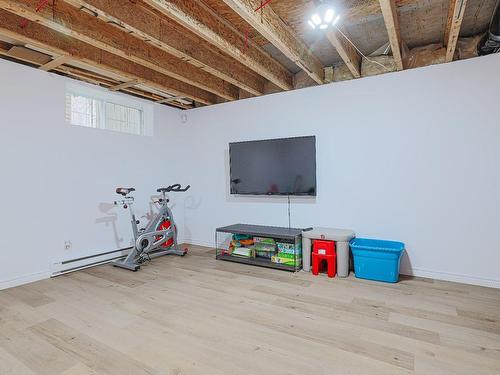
158, 238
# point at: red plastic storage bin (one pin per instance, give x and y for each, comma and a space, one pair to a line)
322, 247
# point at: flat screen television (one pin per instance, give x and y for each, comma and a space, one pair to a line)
285, 166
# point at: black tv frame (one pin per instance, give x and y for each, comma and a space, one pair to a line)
276, 194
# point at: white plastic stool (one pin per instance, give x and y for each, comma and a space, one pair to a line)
340, 236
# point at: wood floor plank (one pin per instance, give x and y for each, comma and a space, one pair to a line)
469, 335
444, 353
363, 321
35, 353
10, 365
120, 276
196, 315
371, 311
470, 321
16, 314
29, 295
80, 369
91, 353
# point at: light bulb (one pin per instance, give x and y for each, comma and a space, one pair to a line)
316, 19
324, 16
329, 15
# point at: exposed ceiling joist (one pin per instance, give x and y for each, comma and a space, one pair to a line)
24, 54
124, 85
171, 99
58, 44
274, 29
346, 50
97, 79
60, 60
391, 19
202, 20
174, 39
456, 13
37, 58
86, 28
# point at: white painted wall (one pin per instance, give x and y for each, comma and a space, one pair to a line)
410, 156
57, 180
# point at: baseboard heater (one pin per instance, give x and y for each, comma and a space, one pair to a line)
81, 263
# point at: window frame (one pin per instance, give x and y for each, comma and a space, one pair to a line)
104, 97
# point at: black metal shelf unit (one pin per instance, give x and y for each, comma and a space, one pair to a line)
279, 234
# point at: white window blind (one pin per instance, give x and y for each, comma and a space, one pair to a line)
109, 111
83, 111
123, 119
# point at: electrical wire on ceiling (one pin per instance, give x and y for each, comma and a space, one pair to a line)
263, 4
361, 53
41, 5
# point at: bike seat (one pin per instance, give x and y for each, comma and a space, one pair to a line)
124, 191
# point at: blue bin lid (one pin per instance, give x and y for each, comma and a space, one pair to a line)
380, 245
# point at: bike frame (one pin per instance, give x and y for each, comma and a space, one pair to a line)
149, 240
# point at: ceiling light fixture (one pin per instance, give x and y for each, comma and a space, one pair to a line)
323, 17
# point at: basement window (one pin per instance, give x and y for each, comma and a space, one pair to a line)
100, 109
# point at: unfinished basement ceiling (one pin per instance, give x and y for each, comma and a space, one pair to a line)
422, 22
204, 52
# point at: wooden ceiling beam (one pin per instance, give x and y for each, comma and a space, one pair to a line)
60, 60
86, 76
27, 55
346, 50
86, 28
356, 10
59, 44
124, 85
391, 19
171, 99
279, 34
206, 23
174, 39
456, 13
96, 79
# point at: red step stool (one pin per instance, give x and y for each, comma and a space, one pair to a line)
324, 251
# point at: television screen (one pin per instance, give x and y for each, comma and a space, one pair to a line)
273, 167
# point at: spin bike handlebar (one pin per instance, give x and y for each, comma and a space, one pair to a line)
176, 188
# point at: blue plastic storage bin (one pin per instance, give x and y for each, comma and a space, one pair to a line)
377, 259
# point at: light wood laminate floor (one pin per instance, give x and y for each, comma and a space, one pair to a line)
196, 315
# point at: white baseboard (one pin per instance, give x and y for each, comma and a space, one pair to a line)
454, 277
25, 279
190, 241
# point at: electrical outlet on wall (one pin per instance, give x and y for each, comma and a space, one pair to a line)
67, 245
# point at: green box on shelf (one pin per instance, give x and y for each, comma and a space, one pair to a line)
289, 248
287, 259
264, 240
264, 250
